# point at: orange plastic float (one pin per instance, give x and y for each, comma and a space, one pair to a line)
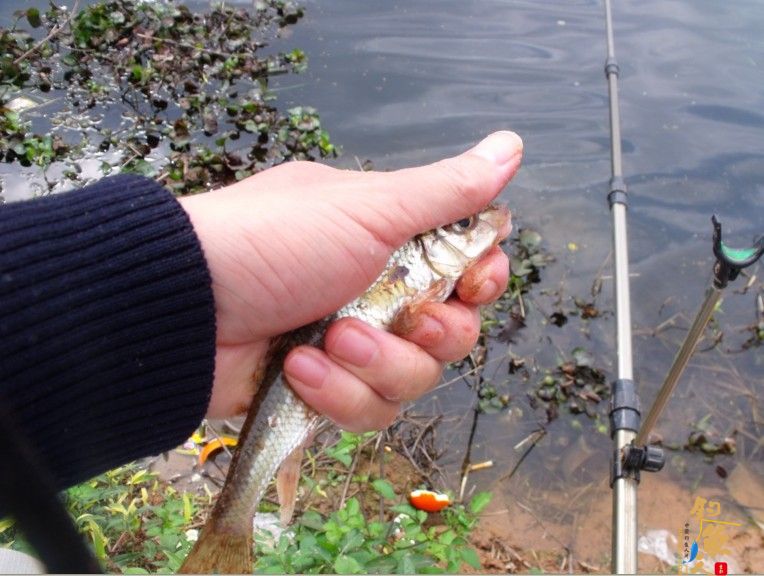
213, 446
428, 500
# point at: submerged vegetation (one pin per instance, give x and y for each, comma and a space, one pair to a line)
154, 88
576, 385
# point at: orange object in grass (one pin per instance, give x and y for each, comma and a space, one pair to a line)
215, 445
428, 500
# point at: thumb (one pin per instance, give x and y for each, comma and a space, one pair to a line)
431, 196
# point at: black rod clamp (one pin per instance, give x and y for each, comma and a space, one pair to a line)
635, 459
625, 415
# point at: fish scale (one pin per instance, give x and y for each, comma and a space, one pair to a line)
424, 269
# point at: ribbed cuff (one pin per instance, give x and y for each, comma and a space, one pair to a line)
107, 324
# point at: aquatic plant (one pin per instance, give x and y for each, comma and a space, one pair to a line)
153, 88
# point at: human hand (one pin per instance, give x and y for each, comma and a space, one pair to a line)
293, 244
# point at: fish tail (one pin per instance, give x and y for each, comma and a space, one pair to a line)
220, 552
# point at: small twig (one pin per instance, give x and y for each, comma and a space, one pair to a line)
597, 282
539, 434
219, 469
522, 304
184, 45
211, 478
353, 464
470, 372
381, 449
119, 543
468, 452
54, 32
588, 567
666, 323
428, 426
480, 466
219, 438
411, 459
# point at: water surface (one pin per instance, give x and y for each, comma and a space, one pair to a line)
408, 83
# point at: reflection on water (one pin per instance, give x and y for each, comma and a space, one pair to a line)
408, 83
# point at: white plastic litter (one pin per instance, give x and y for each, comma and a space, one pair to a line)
663, 545
659, 543
268, 529
15, 562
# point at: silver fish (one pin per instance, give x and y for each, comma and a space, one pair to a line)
424, 269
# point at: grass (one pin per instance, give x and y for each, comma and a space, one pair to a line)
137, 523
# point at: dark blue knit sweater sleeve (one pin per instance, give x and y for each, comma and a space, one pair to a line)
107, 324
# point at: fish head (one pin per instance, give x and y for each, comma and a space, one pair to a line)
451, 249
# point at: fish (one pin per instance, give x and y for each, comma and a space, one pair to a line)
278, 423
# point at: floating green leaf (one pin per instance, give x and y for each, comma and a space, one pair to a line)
33, 17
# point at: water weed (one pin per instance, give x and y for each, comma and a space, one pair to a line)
153, 88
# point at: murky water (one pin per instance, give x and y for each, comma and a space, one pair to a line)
408, 83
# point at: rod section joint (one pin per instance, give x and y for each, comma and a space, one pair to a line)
611, 67
624, 407
618, 193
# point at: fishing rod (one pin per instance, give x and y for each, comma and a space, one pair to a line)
624, 404
631, 452
28, 494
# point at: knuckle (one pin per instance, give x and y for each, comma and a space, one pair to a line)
368, 417
461, 177
387, 416
414, 372
465, 334
309, 167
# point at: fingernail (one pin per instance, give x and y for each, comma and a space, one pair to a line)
429, 330
307, 367
355, 346
499, 148
487, 291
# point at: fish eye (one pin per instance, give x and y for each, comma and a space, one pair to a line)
464, 225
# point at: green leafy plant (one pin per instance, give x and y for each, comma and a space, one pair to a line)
135, 523
348, 542
490, 401
342, 451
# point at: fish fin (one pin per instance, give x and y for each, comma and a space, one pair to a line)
406, 320
288, 478
220, 552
